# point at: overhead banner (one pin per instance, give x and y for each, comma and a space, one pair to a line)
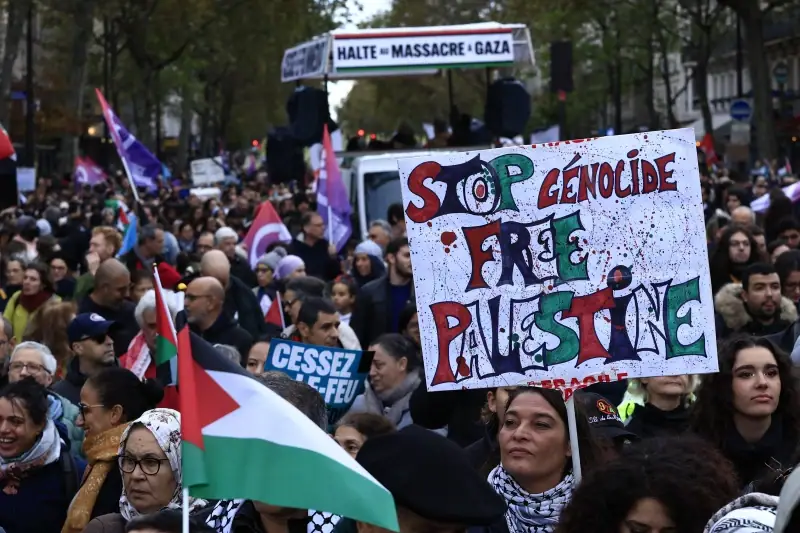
305, 61
426, 48
567, 263
337, 374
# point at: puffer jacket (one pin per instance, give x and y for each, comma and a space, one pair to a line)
730, 308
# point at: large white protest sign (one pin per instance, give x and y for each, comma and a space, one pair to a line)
562, 264
422, 47
207, 171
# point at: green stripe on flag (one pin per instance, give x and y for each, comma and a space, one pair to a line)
285, 476
165, 350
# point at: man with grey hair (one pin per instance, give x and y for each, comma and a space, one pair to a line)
139, 357
380, 232
35, 360
6, 345
252, 515
225, 239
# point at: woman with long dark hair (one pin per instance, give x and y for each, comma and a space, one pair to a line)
750, 409
737, 249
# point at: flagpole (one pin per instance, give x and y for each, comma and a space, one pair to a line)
185, 511
330, 221
280, 308
130, 178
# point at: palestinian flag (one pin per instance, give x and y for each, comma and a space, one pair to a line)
274, 314
166, 344
226, 415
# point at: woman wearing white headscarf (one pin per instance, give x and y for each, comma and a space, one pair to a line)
150, 464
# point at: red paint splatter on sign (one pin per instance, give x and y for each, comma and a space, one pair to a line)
448, 238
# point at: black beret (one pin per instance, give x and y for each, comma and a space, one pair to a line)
432, 477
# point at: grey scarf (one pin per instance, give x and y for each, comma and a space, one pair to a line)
392, 404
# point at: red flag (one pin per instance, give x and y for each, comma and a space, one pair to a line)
266, 229
6, 148
707, 146
275, 313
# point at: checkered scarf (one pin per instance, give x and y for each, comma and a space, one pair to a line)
531, 513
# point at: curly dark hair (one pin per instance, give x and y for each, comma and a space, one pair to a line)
712, 417
588, 447
690, 478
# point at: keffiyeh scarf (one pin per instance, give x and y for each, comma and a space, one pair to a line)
530, 513
165, 425
46, 450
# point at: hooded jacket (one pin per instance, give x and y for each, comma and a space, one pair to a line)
730, 307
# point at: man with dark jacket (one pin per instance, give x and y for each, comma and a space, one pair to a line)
316, 252
149, 252
203, 302
380, 302
109, 299
240, 302
89, 337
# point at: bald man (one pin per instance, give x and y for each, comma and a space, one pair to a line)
241, 303
109, 299
743, 216
204, 302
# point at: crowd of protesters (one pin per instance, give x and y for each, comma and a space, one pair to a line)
90, 435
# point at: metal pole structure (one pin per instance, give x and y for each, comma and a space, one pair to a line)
739, 58
450, 87
30, 101
104, 160
158, 116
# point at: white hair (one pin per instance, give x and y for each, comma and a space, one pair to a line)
230, 352
48, 361
382, 224
148, 302
225, 233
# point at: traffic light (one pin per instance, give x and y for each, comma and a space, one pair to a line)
255, 143
360, 133
373, 136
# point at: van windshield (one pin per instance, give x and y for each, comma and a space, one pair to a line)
381, 189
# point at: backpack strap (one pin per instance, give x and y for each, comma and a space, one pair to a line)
70, 473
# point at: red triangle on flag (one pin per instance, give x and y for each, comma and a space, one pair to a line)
198, 410
274, 314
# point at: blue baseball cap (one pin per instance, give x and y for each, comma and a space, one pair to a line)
87, 325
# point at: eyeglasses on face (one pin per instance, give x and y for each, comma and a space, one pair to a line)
83, 408
149, 465
33, 368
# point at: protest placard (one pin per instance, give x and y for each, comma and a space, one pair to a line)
337, 374
207, 171
561, 264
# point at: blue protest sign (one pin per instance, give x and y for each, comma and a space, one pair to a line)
337, 374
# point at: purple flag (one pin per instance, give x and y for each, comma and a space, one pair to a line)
332, 197
87, 172
141, 165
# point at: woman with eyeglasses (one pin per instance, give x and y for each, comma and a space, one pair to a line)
38, 475
736, 250
109, 401
150, 462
